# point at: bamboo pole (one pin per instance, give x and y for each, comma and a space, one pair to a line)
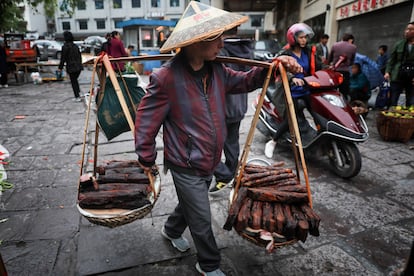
296, 142
295, 134
85, 130
249, 139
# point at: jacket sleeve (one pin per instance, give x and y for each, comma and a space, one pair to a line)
150, 115
63, 57
244, 82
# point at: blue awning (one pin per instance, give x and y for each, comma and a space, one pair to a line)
145, 22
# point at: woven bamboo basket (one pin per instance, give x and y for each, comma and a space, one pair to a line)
395, 128
117, 217
113, 217
298, 154
256, 240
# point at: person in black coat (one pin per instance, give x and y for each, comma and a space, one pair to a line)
71, 55
236, 107
3, 65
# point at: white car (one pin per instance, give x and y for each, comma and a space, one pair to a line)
54, 48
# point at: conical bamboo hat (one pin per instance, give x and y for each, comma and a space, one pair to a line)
198, 22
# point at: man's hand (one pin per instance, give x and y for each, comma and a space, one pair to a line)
290, 64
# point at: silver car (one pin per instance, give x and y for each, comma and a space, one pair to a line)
53, 47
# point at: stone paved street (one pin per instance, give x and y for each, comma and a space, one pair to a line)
366, 229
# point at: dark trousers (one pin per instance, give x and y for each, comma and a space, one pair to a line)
344, 87
359, 94
75, 84
225, 171
3, 78
396, 88
193, 210
284, 126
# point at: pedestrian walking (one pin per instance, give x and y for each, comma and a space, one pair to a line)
71, 56
236, 107
3, 65
322, 51
187, 97
382, 58
400, 68
347, 49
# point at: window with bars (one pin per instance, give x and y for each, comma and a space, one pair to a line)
100, 24
83, 24
99, 4
66, 25
174, 3
155, 3
136, 3
117, 4
81, 5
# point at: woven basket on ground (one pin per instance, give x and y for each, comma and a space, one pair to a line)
397, 129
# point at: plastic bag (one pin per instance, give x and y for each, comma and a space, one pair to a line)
110, 116
383, 96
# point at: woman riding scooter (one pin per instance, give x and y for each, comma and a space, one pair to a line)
297, 37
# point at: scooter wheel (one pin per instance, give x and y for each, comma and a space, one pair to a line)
350, 159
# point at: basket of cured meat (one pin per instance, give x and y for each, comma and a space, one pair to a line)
271, 207
116, 192
120, 194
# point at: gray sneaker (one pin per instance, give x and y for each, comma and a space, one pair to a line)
216, 272
180, 243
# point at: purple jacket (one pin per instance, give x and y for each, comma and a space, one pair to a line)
193, 117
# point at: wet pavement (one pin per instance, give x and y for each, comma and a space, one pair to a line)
366, 228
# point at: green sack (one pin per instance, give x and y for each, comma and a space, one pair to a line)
110, 116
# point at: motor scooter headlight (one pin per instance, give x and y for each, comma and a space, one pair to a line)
334, 100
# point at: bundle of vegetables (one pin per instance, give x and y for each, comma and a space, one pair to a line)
271, 207
119, 184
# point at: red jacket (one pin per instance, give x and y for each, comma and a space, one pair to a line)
116, 49
191, 112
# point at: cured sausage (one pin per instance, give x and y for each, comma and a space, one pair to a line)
235, 208
273, 195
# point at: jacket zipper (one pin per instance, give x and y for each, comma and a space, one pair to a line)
204, 83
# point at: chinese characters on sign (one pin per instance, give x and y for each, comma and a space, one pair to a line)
363, 6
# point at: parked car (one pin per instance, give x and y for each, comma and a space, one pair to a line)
92, 44
265, 49
54, 48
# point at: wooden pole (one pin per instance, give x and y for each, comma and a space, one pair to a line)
295, 134
85, 130
249, 139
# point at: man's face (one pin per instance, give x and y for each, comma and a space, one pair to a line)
209, 49
409, 31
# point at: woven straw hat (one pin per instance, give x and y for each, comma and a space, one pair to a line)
199, 22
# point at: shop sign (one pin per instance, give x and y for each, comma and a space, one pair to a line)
363, 6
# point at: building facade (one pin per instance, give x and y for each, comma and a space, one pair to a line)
372, 22
98, 17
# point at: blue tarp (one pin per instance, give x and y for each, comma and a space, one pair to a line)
370, 69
